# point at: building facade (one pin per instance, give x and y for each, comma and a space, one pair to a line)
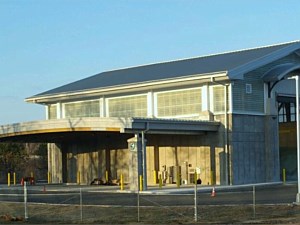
217, 116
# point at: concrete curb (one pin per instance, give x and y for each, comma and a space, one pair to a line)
191, 189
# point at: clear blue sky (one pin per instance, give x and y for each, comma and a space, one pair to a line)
47, 43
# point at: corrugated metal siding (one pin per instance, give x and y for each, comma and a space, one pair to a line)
254, 102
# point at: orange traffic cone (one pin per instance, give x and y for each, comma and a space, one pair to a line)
213, 192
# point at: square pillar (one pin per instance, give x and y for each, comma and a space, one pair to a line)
55, 163
135, 162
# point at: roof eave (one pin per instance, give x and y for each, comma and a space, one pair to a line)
238, 72
42, 99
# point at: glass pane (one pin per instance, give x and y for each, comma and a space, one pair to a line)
179, 103
52, 112
133, 106
218, 99
82, 109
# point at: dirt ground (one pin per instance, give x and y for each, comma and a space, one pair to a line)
13, 213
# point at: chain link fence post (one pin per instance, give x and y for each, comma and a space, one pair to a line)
195, 199
25, 201
80, 193
254, 211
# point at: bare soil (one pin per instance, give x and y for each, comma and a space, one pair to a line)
13, 213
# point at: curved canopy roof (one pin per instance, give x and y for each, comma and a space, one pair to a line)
280, 71
60, 130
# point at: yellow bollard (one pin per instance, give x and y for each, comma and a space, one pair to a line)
15, 179
212, 177
106, 176
178, 179
49, 178
283, 176
141, 182
160, 181
154, 177
78, 177
8, 179
122, 182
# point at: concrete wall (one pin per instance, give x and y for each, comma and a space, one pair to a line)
255, 151
93, 158
272, 149
190, 151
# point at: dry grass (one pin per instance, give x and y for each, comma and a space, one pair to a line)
70, 214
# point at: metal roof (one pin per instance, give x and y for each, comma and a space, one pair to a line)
234, 63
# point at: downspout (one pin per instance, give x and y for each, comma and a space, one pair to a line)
144, 154
227, 158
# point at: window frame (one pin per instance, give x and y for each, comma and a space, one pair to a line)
177, 90
78, 102
107, 99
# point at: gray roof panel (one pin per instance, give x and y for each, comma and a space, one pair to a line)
168, 70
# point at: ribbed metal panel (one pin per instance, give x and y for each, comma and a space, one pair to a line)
254, 102
230, 61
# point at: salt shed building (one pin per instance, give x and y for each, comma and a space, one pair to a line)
229, 117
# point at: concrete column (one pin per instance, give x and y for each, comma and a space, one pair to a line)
59, 111
107, 164
55, 163
144, 155
135, 162
272, 149
205, 98
49, 160
150, 104
102, 107
47, 112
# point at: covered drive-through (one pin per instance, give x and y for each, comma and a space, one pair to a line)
92, 146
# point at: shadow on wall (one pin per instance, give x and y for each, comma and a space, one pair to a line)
288, 161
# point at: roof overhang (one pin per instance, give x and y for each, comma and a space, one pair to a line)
172, 126
280, 72
51, 130
238, 72
136, 87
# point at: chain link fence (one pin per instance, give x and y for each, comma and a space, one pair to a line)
107, 205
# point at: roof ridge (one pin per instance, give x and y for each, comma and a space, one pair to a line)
203, 56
